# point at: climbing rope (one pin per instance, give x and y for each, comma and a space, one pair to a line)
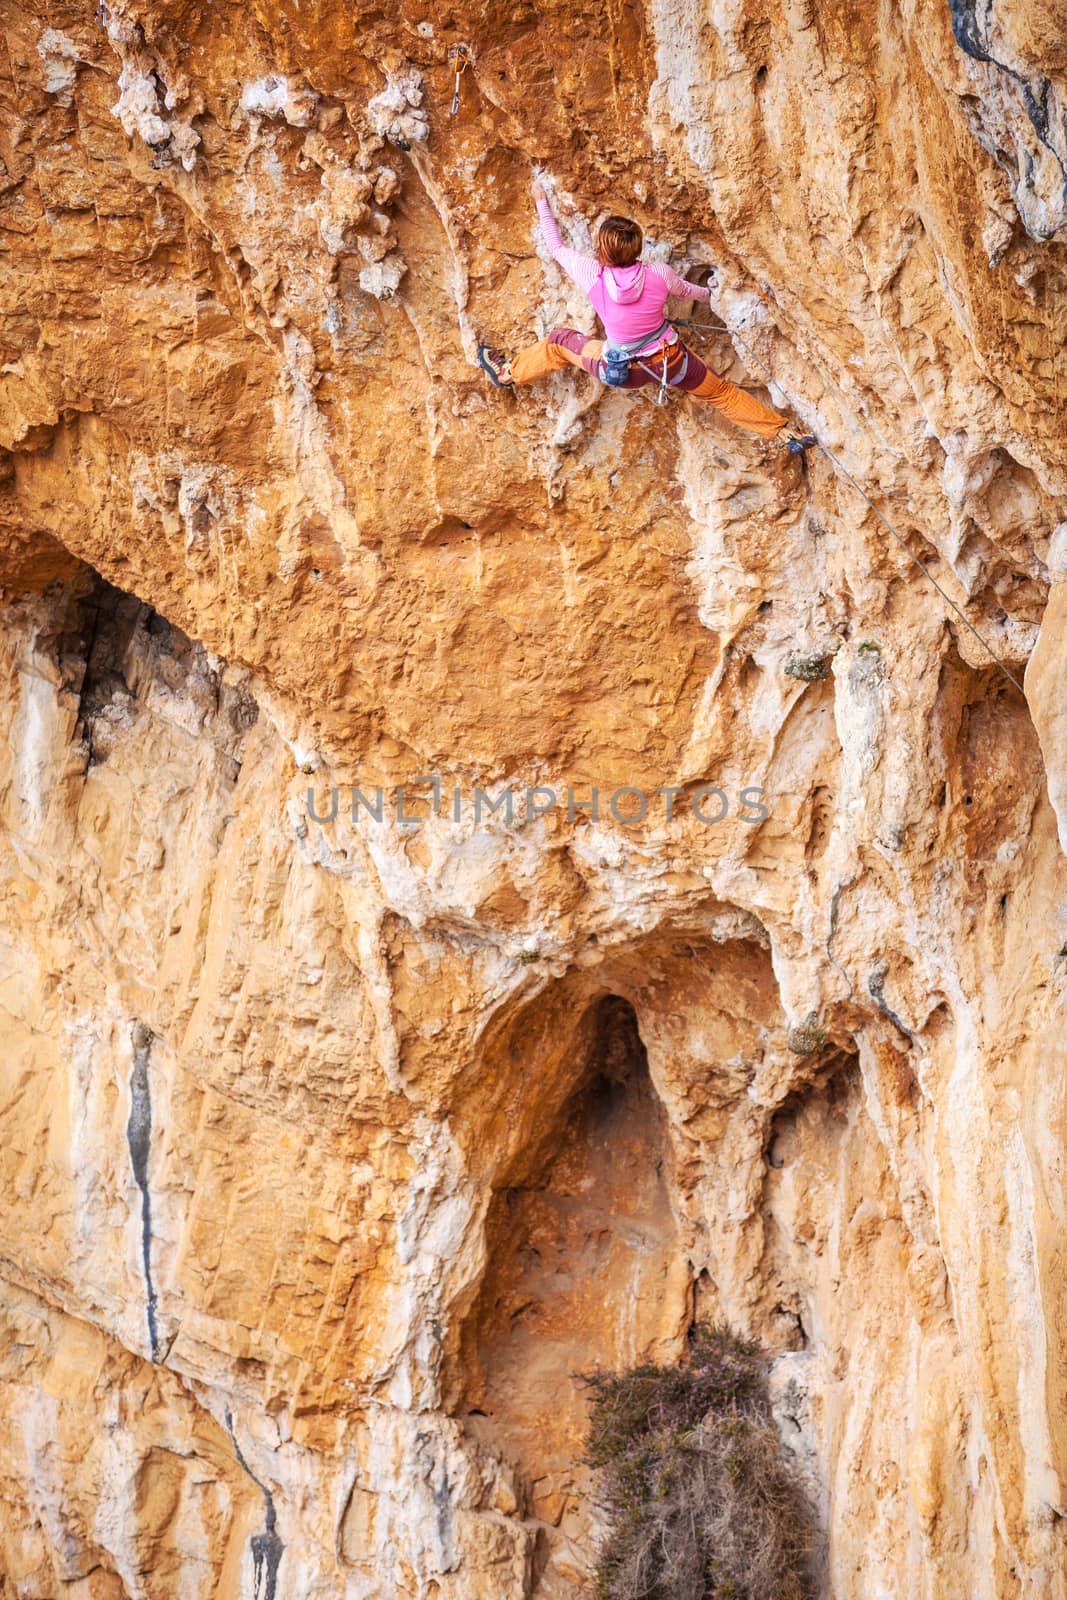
707, 327
462, 57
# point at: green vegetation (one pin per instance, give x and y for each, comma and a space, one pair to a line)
810, 668
805, 1038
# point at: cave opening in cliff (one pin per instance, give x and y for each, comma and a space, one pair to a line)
581, 1246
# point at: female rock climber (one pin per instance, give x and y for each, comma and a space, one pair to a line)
629, 297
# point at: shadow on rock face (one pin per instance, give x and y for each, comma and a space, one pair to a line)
582, 1243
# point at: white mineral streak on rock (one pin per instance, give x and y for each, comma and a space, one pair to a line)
396, 113
59, 55
276, 96
137, 107
1045, 680
382, 278
145, 94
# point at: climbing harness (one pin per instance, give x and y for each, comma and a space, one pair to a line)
461, 57
665, 352
618, 358
802, 445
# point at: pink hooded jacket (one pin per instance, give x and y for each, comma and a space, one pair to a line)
628, 300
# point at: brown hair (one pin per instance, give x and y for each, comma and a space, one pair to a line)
618, 242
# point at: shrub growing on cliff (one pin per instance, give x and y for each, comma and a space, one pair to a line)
699, 1500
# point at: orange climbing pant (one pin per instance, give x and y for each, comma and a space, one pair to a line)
738, 405
567, 347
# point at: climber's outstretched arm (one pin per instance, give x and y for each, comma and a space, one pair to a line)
581, 270
677, 287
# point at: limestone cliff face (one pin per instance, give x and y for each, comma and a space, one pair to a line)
332, 1150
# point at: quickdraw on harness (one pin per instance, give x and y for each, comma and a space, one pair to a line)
461, 56
665, 353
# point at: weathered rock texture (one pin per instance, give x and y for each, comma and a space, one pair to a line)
330, 1151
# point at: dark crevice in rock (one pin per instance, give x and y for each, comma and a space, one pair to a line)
587, 1203
267, 1547
791, 1317
876, 990
966, 29
105, 699
121, 659
139, 1139
970, 37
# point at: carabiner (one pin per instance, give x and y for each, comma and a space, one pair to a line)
463, 57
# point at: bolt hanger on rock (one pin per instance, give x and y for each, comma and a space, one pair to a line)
461, 57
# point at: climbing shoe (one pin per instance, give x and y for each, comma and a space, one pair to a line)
798, 443
496, 363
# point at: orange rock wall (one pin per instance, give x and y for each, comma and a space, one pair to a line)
331, 1150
